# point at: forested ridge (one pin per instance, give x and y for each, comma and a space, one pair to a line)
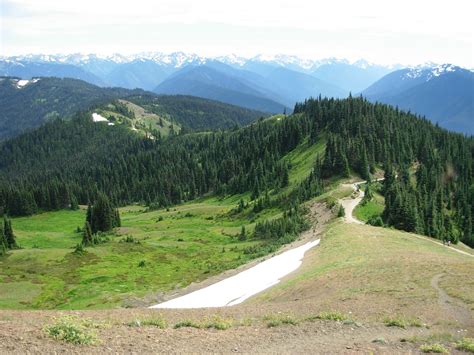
429, 186
44, 99
48, 98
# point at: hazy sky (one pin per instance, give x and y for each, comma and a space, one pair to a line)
382, 31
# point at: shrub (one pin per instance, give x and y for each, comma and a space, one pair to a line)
332, 315
79, 249
218, 323
72, 330
276, 321
130, 239
142, 263
466, 344
433, 348
376, 221
395, 322
151, 322
402, 323
187, 324
341, 212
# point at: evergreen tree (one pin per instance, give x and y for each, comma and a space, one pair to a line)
87, 237
74, 205
3, 241
243, 234
8, 233
103, 216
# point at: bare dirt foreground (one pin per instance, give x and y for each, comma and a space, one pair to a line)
323, 307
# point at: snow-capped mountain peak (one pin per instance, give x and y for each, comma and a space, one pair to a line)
429, 71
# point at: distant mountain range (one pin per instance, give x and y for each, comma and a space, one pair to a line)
270, 84
443, 93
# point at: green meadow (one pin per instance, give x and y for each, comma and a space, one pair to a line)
152, 252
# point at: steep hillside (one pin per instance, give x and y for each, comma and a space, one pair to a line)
196, 113
144, 74
251, 160
444, 94
239, 195
207, 82
26, 104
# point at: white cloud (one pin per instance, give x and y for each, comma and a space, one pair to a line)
405, 31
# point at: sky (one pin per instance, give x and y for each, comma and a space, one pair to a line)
381, 31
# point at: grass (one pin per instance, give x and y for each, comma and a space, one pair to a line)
153, 252
279, 320
466, 344
402, 322
433, 348
364, 271
215, 322
73, 330
143, 120
218, 323
171, 248
395, 322
302, 160
372, 208
333, 316
187, 324
156, 322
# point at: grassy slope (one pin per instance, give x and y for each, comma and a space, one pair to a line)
143, 119
373, 273
192, 242
372, 208
183, 248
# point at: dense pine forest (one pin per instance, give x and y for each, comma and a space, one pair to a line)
429, 185
429, 180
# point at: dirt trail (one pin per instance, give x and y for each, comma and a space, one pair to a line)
452, 307
350, 203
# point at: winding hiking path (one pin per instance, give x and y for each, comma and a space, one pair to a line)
350, 203
451, 306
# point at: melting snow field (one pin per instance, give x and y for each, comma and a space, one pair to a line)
98, 118
238, 288
23, 82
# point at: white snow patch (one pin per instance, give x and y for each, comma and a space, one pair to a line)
22, 83
98, 118
238, 288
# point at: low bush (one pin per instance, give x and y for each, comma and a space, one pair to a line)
433, 348
72, 330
